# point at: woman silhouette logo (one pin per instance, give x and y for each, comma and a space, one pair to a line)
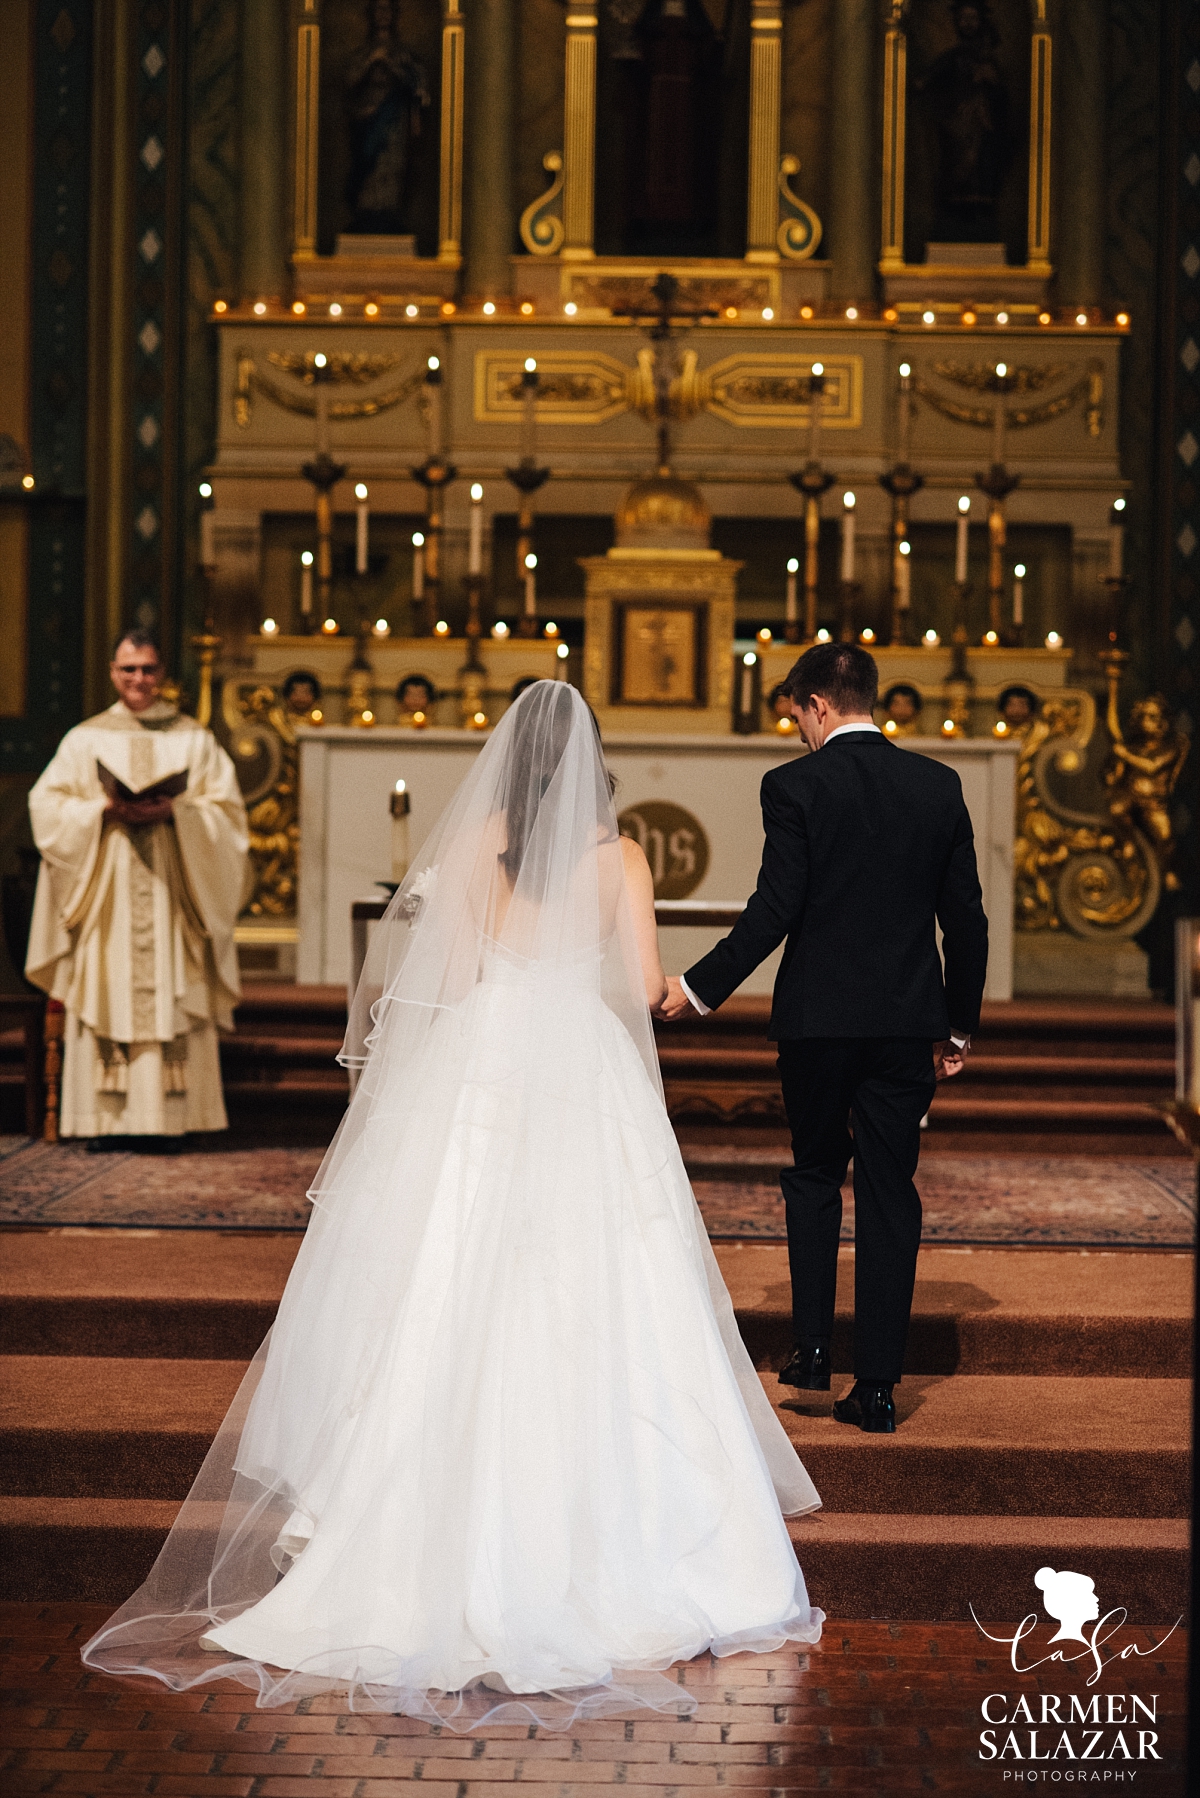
1070, 1598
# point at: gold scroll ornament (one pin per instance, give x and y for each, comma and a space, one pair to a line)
259, 735
1095, 872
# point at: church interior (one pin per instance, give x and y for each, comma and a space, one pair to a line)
378, 356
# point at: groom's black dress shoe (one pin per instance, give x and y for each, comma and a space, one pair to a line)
808, 1369
870, 1407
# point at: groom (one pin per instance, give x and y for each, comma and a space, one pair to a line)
867, 846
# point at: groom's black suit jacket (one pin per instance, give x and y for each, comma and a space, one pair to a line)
866, 845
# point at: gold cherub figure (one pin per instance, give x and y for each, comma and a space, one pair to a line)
1142, 772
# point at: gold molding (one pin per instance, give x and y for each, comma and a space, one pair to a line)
702, 282
308, 108
450, 179
572, 389
757, 389
579, 136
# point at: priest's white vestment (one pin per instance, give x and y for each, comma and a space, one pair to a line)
133, 925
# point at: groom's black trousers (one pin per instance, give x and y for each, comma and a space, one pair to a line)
886, 1084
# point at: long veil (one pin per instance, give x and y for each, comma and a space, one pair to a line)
501, 976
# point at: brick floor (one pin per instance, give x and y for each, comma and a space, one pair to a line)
880, 1709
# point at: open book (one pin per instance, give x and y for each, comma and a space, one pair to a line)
170, 787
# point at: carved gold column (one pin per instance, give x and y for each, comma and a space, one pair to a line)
308, 81
579, 134
762, 196
895, 99
451, 182
1037, 255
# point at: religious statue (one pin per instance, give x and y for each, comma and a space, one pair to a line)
1017, 708
967, 108
1141, 775
386, 89
416, 700
903, 705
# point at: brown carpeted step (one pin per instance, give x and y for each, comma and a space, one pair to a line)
203, 1295
1003, 1444
996, 1311
858, 1564
103, 1427
145, 1294
107, 1428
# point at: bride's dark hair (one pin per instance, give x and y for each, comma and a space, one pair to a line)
543, 729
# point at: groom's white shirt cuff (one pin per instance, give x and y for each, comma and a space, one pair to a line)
701, 1007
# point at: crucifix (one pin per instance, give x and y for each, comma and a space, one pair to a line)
662, 319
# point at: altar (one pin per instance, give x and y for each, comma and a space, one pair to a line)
690, 800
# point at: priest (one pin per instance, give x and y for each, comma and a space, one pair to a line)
143, 839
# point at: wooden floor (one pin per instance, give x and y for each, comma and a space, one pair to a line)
878, 1708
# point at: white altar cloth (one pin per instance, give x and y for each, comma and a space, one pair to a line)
347, 775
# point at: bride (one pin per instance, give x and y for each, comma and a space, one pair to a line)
503, 1455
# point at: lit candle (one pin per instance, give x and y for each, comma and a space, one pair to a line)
960, 542
1116, 541
792, 608
531, 586
418, 566
816, 389
1019, 593
306, 582
433, 384
905, 411
903, 576
400, 808
746, 702
475, 544
360, 538
848, 504
998, 419
529, 389
208, 554
320, 376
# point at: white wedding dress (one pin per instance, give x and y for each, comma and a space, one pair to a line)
503, 1454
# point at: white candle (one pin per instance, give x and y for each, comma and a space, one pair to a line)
322, 406
306, 582
960, 542
529, 389
848, 503
400, 805
792, 608
208, 554
531, 586
903, 577
475, 544
433, 383
746, 703
1116, 551
816, 393
1019, 593
418, 565
361, 529
998, 418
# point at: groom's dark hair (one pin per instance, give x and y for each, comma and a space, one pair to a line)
844, 675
